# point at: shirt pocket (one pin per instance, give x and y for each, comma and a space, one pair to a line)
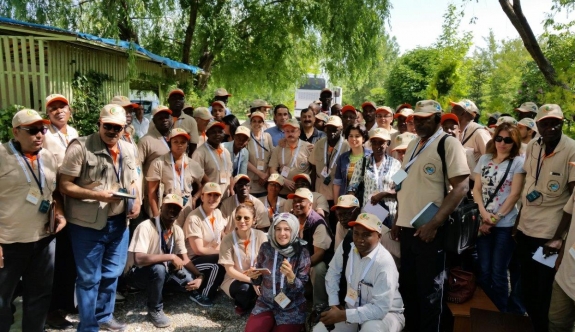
554, 184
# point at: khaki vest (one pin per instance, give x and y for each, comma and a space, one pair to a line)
98, 174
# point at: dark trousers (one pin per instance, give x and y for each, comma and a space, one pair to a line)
213, 274
34, 263
243, 294
65, 272
421, 280
515, 304
536, 281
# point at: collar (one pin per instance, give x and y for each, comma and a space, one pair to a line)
371, 255
560, 146
18, 147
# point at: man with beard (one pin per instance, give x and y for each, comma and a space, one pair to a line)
324, 156
238, 151
368, 111
314, 230
326, 98
159, 261
308, 131
242, 194
96, 170
215, 159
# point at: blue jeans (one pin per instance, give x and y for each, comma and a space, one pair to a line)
100, 257
494, 253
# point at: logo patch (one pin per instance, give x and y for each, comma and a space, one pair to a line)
429, 169
553, 185
303, 165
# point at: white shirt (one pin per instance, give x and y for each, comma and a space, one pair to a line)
141, 127
376, 301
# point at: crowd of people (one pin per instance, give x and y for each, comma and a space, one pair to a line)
305, 224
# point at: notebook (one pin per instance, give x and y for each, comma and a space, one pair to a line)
425, 215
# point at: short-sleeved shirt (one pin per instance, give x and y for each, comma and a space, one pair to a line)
57, 142
276, 208
491, 175
146, 240
215, 165
477, 137
259, 150
319, 201
565, 276
20, 220
284, 157
541, 217
141, 127
198, 226
229, 254
185, 122
228, 209
150, 147
163, 170
316, 135
425, 179
319, 157
276, 133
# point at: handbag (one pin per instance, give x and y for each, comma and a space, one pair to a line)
462, 225
460, 285
361, 186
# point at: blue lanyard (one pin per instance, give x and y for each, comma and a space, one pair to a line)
39, 180
118, 172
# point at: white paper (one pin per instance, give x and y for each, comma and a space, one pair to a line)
549, 261
399, 176
379, 211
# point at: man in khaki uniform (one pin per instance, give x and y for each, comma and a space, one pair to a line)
422, 255
292, 159
203, 117
59, 132
97, 169
548, 184
242, 194
474, 137
215, 159
27, 187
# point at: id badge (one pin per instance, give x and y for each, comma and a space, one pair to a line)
285, 171
223, 177
282, 300
261, 165
351, 296
324, 172
398, 177
33, 196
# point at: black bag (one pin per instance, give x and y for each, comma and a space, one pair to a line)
463, 223
361, 186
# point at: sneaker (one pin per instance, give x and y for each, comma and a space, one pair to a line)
159, 318
201, 300
120, 298
57, 321
112, 325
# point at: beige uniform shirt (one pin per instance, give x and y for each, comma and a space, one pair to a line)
185, 122
477, 137
229, 252
319, 201
565, 276
162, 169
296, 163
217, 167
425, 180
319, 157
541, 217
146, 240
56, 142
150, 147
228, 209
259, 157
20, 220
277, 208
198, 226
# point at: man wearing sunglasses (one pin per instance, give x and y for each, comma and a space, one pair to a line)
27, 245
97, 174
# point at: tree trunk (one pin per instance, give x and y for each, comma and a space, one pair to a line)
206, 62
125, 24
517, 18
190, 30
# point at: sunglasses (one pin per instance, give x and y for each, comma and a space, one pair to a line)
506, 140
112, 127
33, 131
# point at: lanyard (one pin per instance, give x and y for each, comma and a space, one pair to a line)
294, 156
131, 141
277, 205
118, 172
414, 155
539, 165
364, 271
237, 249
21, 160
210, 227
237, 162
274, 275
334, 159
62, 140
215, 160
163, 139
162, 240
182, 170
260, 143
377, 172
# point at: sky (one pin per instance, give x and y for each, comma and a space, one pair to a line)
418, 22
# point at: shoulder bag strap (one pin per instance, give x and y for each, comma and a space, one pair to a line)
441, 152
470, 135
492, 196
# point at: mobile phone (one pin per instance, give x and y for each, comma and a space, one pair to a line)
263, 270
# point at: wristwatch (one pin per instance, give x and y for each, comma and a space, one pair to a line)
499, 215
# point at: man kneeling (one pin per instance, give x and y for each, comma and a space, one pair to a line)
158, 251
372, 299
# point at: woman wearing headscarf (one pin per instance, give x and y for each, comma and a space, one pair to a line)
281, 304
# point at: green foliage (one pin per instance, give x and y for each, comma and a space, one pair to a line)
88, 100
6, 116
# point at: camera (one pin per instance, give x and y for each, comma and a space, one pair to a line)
317, 310
327, 180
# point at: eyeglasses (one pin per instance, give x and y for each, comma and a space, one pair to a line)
111, 127
33, 131
506, 140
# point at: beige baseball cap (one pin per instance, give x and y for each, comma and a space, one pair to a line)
405, 112
506, 119
27, 117
528, 107
380, 133
322, 116
176, 92
528, 122
402, 140
302, 193
219, 103
179, 132
426, 108
260, 103
211, 187
122, 101
346, 201
302, 176
276, 178
173, 199
215, 123
258, 114
160, 109
241, 176
56, 97
368, 221
292, 123
384, 109
221, 92
549, 111
113, 113
335, 121
202, 113
242, 130
467, 105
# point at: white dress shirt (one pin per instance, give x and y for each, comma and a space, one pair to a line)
141, 127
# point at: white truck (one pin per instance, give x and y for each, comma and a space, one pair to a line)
309, 92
